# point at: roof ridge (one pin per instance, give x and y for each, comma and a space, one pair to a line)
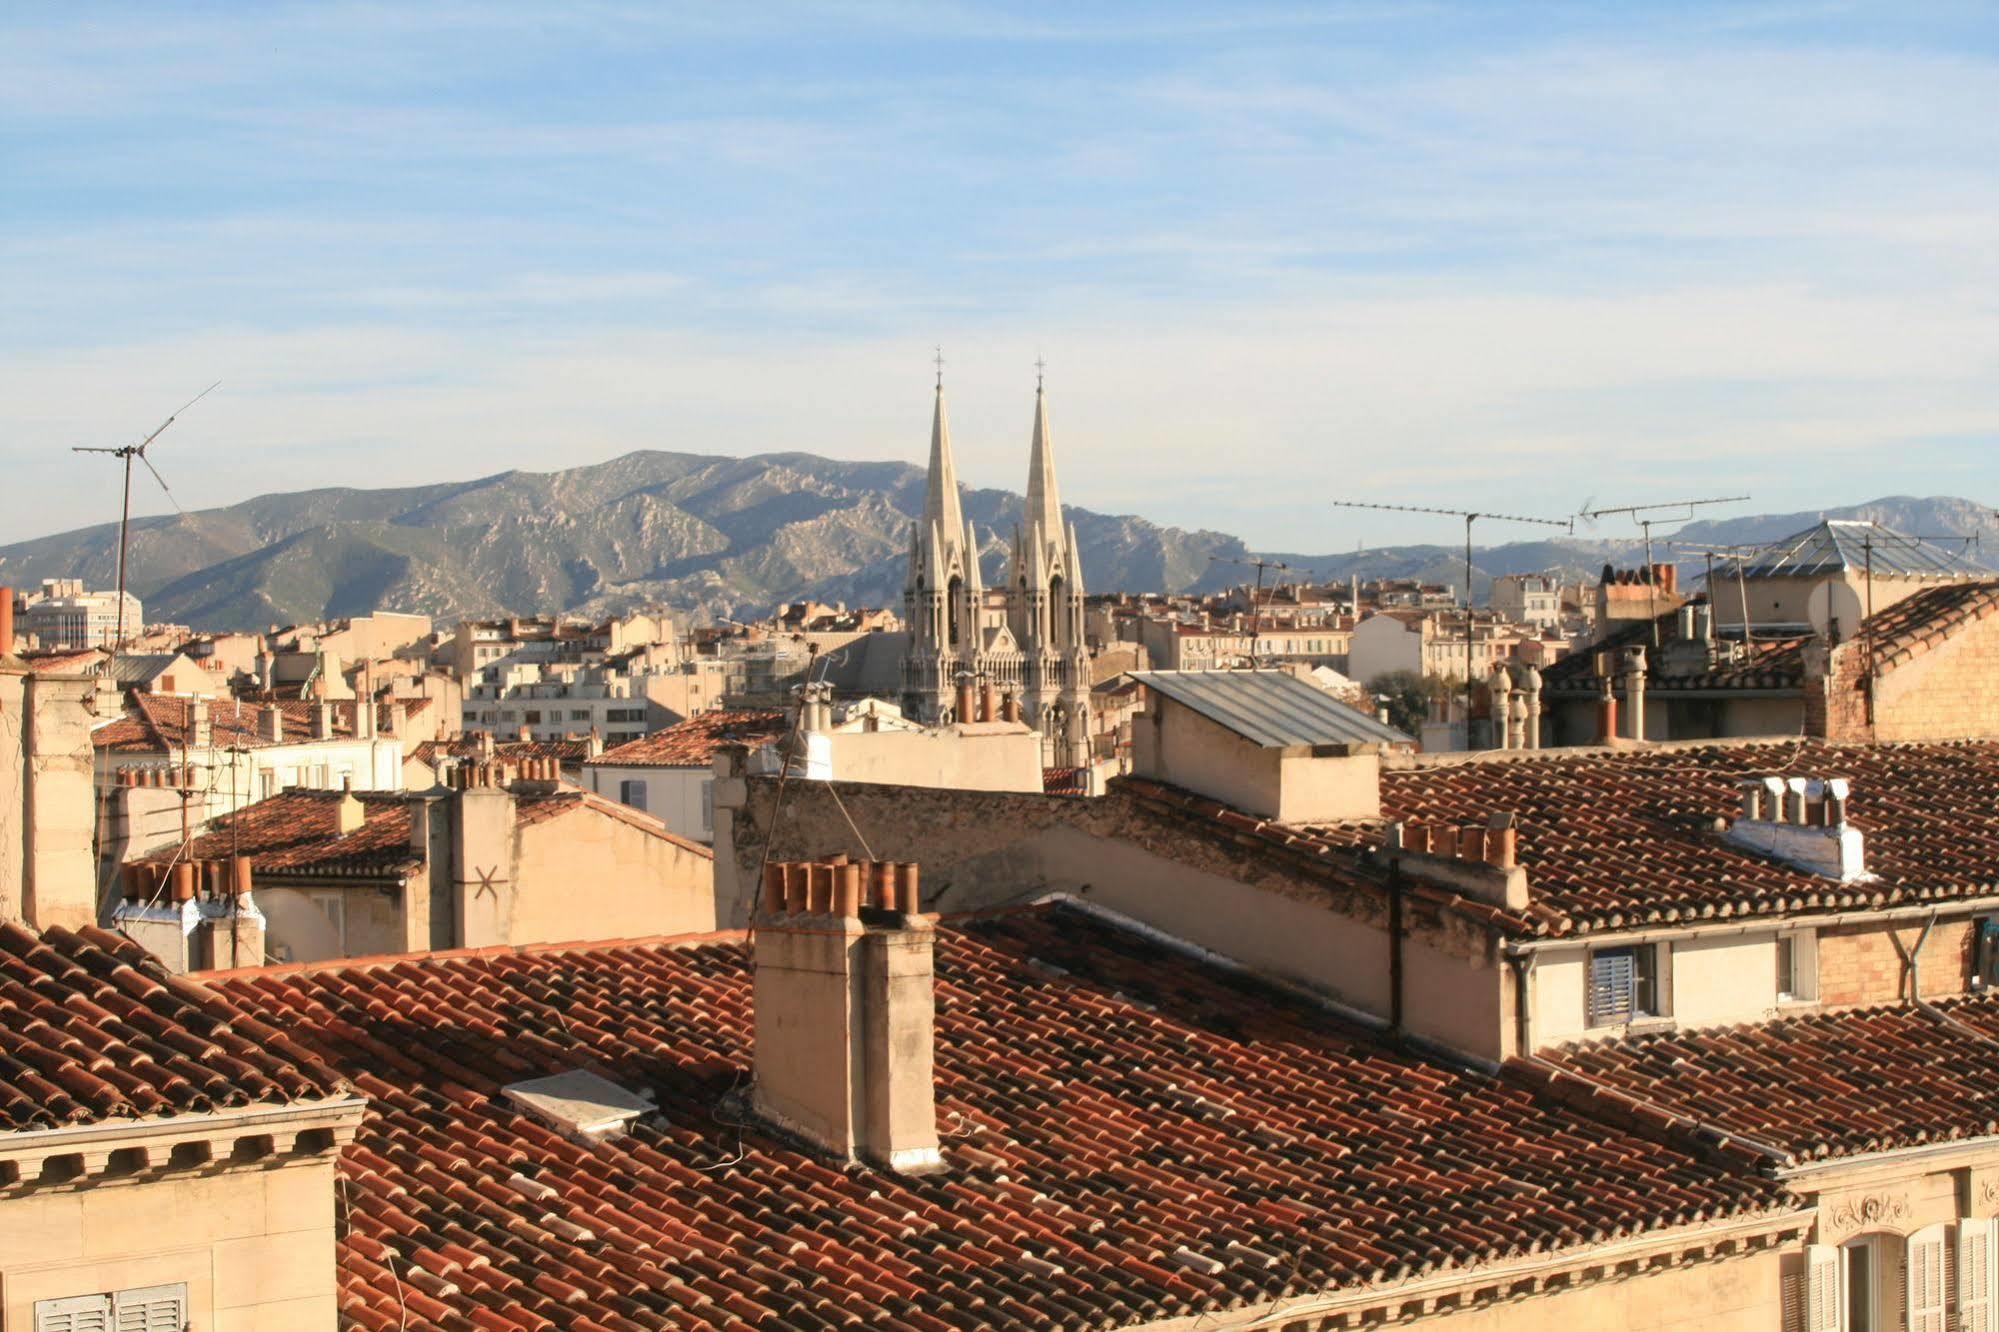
375, 961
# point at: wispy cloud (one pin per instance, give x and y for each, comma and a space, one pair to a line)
1374, 250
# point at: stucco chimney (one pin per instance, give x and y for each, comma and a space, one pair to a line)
1801, 821
271, 723
845, 1012
322, 721
200, 728
1634, 693
348, 813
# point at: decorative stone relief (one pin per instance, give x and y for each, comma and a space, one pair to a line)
1854, 1213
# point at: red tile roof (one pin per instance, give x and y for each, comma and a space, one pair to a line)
1107, 1103
295, 832
695, 742
1065, 781
93, 1028
1916, 624
155, 723
1821, 1085
568, 752
1619, 839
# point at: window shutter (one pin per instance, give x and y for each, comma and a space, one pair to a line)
78, 1313
1923, 1279
1975, 1244
1822, 1289
1610, 979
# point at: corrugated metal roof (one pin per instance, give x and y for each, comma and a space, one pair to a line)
1839, 544
1271, 708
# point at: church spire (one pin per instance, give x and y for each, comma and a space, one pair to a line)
1044, 502
941, 511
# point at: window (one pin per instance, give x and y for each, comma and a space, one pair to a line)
1797, 966
708, 806
1985, 954
333, 906
632, 793
533, 717
579, 714
143, 1309
1623, 985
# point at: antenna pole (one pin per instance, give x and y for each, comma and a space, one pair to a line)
1470, 517
124, 521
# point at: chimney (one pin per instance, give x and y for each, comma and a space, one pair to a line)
1634, 693
988, 700
1531, 692
526, 733
1479, 860
845, 1014
322, 721
483, 856
364, 716
348, 813
1800, 821
964, 710
596, 742
271, 723
200, 729
1010, 707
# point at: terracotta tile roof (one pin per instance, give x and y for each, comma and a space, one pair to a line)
93, 1028
295, 832
1622, 839
155, 723
695, 742
563, 751
1773, 663
1617, 839
1331, 855
1108, 1103
1820, 1085
1916, 624
1065, 781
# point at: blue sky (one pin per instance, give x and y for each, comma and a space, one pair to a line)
1488, 255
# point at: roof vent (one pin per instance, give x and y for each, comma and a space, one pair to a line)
1801, 821
581, 1104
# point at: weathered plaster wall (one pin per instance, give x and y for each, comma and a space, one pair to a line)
585, 875
979, 849
255, 1246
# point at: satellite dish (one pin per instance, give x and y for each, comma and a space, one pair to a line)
1830, 601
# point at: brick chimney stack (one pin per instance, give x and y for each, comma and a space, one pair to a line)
845, 1014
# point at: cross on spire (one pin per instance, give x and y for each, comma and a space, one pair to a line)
1040, 367
939, 358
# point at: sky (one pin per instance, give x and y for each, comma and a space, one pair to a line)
1513, 257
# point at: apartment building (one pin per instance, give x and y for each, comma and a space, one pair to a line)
67, 615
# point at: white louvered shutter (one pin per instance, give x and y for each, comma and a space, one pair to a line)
1822, 1289
150, 1309
1975, 1245
1923, 1277
78, 1313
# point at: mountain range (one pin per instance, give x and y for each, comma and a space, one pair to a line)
718, 536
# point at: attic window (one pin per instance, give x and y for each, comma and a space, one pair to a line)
579, 1103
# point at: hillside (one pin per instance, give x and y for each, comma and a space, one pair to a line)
723, 536
716, 536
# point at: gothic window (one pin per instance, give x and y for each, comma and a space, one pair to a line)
952, 610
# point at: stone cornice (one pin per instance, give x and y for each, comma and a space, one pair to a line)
122, 1149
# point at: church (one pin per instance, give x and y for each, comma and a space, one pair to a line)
1025, 638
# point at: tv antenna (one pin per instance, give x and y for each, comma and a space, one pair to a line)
1256, 599
128, 452
1642, 515
1470, 516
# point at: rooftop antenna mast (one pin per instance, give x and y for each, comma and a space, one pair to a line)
1256, 599
1470, 516
1739, 555
1641, 514
127, 452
